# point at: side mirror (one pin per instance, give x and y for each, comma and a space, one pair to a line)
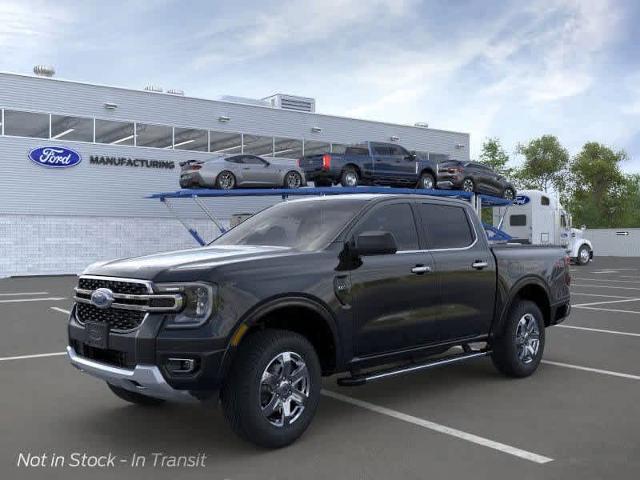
375, 243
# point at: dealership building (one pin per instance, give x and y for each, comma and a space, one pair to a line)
116, 146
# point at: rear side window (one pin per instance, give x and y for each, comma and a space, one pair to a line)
518, 220
357, 151
445, 226
396, 219
381, 150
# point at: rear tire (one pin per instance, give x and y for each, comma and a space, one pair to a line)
584, 255
468, 185
292, 180
518, 348
508, 194
225, 180
349, 177
133, 397
262, 387
427, 181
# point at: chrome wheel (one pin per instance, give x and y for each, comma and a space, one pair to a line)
293, 180
467, 185
226, 181
426, 182
584, 255
527, 338
351, 179
508, 194
284, 389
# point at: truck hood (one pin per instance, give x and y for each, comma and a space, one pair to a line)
181, 263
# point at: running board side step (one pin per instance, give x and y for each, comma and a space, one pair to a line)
357, 380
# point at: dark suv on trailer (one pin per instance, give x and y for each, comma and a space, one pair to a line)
474, 177
372, 285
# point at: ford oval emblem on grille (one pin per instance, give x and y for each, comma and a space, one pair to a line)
102, 298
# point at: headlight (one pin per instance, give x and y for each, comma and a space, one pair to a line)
197, 303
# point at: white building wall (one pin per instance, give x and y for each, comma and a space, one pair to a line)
614, 242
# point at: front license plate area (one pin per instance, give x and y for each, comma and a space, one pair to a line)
97, 334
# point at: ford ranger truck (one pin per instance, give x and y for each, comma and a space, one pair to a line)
366, 286
371, 163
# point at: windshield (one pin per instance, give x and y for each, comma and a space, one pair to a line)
305, 225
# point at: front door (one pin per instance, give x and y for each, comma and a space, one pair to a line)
392, 294
255, 170
465, 269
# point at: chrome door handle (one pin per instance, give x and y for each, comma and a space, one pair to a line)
479, 265
421, 269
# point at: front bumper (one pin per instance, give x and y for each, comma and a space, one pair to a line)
144, 379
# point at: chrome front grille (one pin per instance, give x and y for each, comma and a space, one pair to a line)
132, 300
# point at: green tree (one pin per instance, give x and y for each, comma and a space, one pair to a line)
494, 156
545, 164
601, 194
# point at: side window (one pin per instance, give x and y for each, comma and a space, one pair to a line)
396, 219
398, 151
251, 160
381, 150
544, 200
445, 226
236, 159
518, 220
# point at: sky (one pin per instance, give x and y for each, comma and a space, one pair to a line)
508, 69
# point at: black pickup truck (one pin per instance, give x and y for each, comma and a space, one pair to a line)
371, 163
370, 286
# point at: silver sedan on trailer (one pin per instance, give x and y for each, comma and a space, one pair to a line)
236, 171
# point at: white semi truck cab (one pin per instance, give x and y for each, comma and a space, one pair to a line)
537, 218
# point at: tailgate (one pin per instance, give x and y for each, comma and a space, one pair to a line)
311, 163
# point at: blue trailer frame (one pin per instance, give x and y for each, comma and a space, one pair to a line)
477, 200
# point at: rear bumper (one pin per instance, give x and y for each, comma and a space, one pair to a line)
144, 379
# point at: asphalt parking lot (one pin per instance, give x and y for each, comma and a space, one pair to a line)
577, 417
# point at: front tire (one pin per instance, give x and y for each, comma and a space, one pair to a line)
427, 181
584, 255
134, 397
225, 180
273, 388
517, 350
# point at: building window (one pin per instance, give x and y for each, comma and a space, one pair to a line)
312, 147
287, 148
26, 124
257, 145
114, 133
225, 142
338, 148
71, 128
157, 136
190, 139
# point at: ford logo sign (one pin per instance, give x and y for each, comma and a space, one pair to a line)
521, 200
55, 157
102, 298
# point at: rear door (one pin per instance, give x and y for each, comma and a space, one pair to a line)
465, 270
383, 162
393, 294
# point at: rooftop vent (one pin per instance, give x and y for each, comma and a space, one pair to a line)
421, 124
175, 91
292, 102
153, 88
44, 70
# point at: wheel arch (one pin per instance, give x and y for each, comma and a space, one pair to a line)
532, 289
354, 166
317, 325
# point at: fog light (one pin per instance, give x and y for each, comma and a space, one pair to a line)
180, 365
